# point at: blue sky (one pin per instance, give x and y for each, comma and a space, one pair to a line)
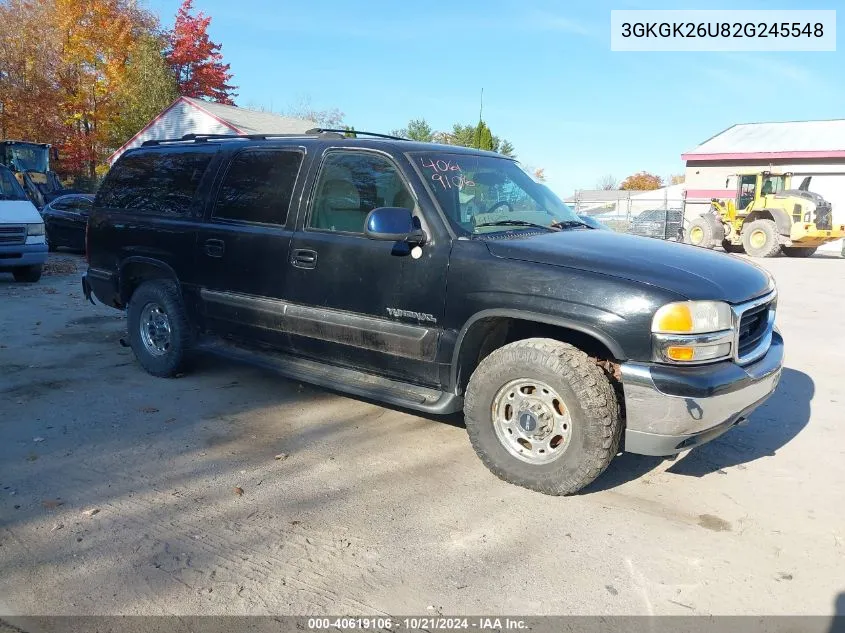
551, 84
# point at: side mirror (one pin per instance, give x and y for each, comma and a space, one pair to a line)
394, 224
56, 154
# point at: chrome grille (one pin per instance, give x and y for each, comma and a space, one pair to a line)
754, 324
12, 234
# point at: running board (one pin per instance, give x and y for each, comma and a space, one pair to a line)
340, 378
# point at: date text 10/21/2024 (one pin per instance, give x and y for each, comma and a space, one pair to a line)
428, 623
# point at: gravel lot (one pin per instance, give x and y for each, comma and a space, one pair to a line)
119, 492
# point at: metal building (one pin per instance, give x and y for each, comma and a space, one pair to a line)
194, 116
804, 148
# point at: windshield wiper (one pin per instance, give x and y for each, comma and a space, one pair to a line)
568, 224
518, 223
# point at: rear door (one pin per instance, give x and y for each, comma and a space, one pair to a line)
148, 209
362, 303
243, 246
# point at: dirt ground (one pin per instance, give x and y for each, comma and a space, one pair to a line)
233, 491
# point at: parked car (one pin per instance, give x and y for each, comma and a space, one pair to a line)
23, 250
429, 276
65, 219
666, 224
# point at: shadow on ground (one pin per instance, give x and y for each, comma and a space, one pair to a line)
769, 428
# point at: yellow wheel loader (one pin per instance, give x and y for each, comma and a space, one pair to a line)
30, 162
767, 218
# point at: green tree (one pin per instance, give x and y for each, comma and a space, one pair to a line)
417, 130
479, 136
505, 148
148, 87
463, 135
483, 137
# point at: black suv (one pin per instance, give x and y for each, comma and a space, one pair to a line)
436, 278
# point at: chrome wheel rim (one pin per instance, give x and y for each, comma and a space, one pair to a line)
155, 329
532, 421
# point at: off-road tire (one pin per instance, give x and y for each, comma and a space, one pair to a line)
706, 231
799, 251
592, 404
771, 247
28, 274
732, 248
166, 294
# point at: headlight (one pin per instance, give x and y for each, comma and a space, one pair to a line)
692, 332
35, 229
692, 317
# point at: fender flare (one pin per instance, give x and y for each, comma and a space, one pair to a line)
782, 219
524, 315
147, 261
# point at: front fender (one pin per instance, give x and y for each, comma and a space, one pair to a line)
603, 337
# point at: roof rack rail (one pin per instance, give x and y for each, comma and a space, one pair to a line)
322, 130
200, 138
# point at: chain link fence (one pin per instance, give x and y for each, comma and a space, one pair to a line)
658, 214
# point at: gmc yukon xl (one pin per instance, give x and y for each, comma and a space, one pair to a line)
436, 278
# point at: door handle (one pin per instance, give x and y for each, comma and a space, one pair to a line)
215, 248
304, 258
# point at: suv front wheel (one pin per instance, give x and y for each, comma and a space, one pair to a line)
159, 330
541, 414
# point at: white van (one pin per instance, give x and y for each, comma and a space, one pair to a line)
23, 249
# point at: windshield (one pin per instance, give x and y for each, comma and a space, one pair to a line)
27, 157
9, 187
483, 194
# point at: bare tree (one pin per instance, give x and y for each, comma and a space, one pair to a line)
302, 108
607, 183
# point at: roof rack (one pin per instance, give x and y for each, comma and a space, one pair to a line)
200, 138
317, 131
321, 130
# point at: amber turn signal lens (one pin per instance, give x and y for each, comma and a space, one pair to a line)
676, 317
680, 353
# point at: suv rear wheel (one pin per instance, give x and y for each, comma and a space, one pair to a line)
159, 331
542, 415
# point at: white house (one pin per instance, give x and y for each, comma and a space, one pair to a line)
194, 116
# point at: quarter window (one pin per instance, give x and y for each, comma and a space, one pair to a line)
351, 184
258, 187
156, 182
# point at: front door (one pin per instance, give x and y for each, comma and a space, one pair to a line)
359, 302
243, 246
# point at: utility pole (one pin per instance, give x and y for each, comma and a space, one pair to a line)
480, 120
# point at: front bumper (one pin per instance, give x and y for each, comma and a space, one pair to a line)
670, 409
22, 255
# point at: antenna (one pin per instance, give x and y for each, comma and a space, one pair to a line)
480, 120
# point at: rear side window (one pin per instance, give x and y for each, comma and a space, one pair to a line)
155, 182
258, 186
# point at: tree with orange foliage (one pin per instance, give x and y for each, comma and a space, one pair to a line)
197, 61
642, 181
94, 39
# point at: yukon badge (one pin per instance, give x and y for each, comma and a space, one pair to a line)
410, 314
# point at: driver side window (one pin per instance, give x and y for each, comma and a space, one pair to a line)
350, 185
